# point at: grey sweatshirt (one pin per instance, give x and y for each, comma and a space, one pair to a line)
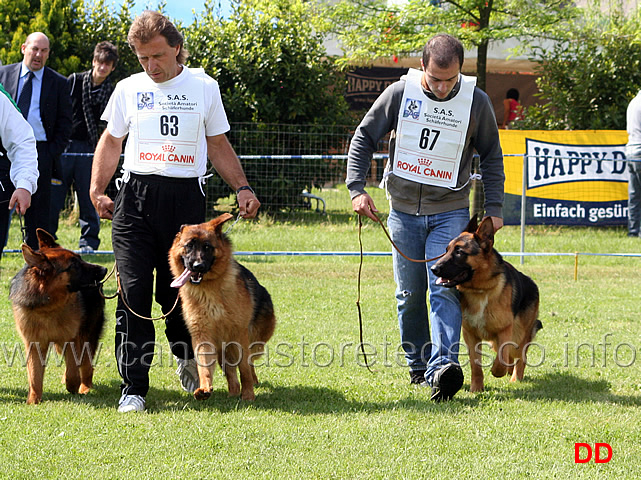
415, 198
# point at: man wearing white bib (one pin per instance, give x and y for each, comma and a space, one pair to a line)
174, 119
437, 118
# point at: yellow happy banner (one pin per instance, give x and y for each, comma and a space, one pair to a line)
572, 177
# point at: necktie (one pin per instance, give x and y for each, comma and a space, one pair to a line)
25, 96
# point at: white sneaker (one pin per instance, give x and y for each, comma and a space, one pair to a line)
188, 372
131, 403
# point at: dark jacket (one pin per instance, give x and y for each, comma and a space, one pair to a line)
55, 104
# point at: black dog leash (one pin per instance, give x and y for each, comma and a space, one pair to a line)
23, 229
360, 269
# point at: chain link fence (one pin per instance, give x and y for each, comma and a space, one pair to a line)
296, 170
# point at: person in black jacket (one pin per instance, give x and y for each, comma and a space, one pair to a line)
90, 92
46, 105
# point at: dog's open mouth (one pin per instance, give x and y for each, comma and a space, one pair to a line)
453, 282
187, 275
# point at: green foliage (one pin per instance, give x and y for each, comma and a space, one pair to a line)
269, 62
98, 21
271, 66
375, 28
54, 18
14, 27
587, 81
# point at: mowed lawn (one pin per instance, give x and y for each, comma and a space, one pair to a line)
319, 413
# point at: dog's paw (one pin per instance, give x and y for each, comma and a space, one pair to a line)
84, 389
476, 387
202, 394
498, 370
248, 396
72, 387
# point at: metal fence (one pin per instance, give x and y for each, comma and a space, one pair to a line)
296, 170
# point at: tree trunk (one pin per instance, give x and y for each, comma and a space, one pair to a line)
481, 65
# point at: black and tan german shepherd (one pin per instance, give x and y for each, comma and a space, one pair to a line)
56, 300
230, 316
498, 303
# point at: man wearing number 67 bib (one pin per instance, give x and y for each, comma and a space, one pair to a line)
437, 118
174, 119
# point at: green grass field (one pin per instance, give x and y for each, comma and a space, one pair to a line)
319, 413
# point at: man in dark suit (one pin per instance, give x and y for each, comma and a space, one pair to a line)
46, 105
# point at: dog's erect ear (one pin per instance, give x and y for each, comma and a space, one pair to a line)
218, 222
35, 258
472, 225
45, 239
485, 234
182, 227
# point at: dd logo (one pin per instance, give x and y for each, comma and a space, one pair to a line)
587, 455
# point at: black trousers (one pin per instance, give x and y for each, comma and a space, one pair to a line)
149, 210
6, 190
38, 214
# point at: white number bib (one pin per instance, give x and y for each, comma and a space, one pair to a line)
168, 138
430, 136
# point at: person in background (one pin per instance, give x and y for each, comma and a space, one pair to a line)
18, 162
512, 109
175, 120
442, 115
42, 95
633, 152
90, 92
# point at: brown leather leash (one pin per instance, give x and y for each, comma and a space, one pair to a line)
380, 222
102, 283
122, 297
360, 269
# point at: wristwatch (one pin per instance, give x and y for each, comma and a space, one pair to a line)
245, 187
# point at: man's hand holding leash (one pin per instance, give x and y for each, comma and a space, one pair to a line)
363, 204
248, 204
21, 199
104, 206
105, 162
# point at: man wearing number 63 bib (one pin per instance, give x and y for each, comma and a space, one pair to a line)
437, 118
174, 119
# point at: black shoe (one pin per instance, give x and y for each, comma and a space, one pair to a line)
447, 381
417, 377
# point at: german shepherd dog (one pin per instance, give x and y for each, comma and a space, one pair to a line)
498, 303
56, 300
229, 315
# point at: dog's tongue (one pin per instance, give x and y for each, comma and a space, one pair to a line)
441, 280
180, 281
